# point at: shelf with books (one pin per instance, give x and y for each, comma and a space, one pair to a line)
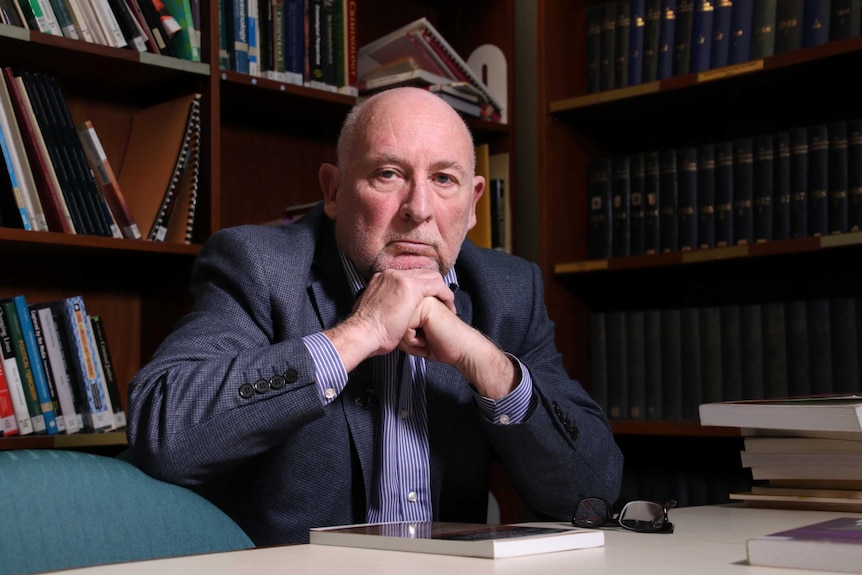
669, 429
80, 441
813, 269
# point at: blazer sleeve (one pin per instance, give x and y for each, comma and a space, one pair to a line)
234, 378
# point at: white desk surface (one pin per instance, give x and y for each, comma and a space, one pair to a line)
708, 540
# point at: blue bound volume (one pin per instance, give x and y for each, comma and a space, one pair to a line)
723, 194
637, 21
799, 182
666, 39
838, 187
720, 33
599, 209
701, 35
706, 196
740, 31
815, 24
620, 206
668, 202
818, 180
764, 183
781, 187
687, 188
652, 196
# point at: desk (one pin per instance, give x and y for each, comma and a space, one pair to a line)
708, 540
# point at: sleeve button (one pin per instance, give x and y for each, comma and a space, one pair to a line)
246, 390
290, 376
261, 386
276, 382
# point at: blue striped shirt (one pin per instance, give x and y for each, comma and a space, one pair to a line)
402, 488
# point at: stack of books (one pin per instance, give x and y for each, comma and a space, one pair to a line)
804, 453
418, 55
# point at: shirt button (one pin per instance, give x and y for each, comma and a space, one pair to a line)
505, 420
329, 393
411, 497
405, 414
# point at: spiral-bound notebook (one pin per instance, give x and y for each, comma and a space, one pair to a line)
421, 40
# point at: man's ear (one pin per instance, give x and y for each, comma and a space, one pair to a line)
478, 189
329, 177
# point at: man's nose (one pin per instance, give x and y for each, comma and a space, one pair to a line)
418, 202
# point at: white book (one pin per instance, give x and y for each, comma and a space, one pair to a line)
110, 25
59, 369
15, 385
89, 12
76, 12
50, 18
117, 421
253, 39
464, 539
813, 413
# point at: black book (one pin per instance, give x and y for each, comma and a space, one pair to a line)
845, 347
799, 183
724, 194
721, 19
653, 380
636, 364
652, 29
126, 21
763, 22
844, 19
666, 39
599, 209
820, 345
764, 172
751, 334
731, 352
818, 180
599, 358
781, 187
789, 15
671, 364
638, 204
498, 213
774, 350
838, 186
617, 358
854, 174
607, 55
710, 354
691, 362
743, 191
652, 197
687, 198
620, 206
706, 196
622, 38
668, 202
158, 29
682, 37
798, 362
594, 46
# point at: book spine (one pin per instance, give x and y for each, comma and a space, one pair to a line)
763, 29
13, 328
8, 423
691, 362
798, 362
638, 205
844, 19
668, 201
751, 335
13, 378
620, 207
637, 22
622, 38
781, 188
31, 346
820, 345
701, 35
653, 378
599, 359
652, 197
682, 36
617, 355
743, 191
815, 24
838, 186
599, 209
69, 405
789, 15
724, 194
240, 35
664, 64
731, 352
294, 41
706, 196
818, 180
775, 378
45, 363
854, 174
845, 345
741, 20
126, 22
64, 19
671, 364
688, 207
722, 14
763, 192
635, 364
799, 183
710, 354
11, 180
652, 30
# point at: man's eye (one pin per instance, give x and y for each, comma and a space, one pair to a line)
387, 174
444, 179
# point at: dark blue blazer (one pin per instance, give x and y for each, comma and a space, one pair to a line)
228, 403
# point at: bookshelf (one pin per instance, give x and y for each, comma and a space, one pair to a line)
576, 127
262, 141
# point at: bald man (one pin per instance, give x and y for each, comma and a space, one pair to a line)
368, 363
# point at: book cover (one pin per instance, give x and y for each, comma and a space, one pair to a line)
741, 20
620, 206
76, 334
781, 187
687, 209
743, 191
789, 15
668, 201
66, 394
811, 413
622, 43
701, 35
724, 194
599, 208
799, 183
721, 26
464, 539
652, 196
682, 37
667, 39
652, 30
637, 212
763, 177
637, 9
838, 212
763, 24
13, 378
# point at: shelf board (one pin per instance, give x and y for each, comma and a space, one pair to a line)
670, 428
774, 248
74, 441
22, 241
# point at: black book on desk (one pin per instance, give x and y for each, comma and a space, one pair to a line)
763, 29
724, 194
687, 198
789, 15
638, 205
706, 196
838, 186
599, 209
799, 182
763, 191
720, 33
620, 206
854, 174
652, 198
682, 37
652, 29
781, 187
622, 40
743, 191
668, 201
818, 180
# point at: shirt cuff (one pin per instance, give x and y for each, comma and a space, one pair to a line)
512, 408
331, 375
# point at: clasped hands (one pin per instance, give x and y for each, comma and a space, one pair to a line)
414, 310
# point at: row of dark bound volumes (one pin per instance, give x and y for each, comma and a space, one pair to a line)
630, 42
57, 373
661, 364
806, 181
56, 176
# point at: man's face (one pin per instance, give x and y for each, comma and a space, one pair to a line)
406, 196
